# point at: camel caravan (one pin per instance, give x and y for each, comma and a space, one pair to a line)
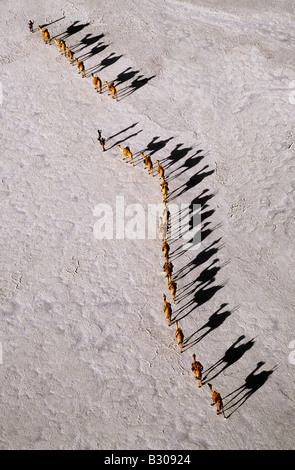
196, 366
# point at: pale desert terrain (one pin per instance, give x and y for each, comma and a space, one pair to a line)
88, 361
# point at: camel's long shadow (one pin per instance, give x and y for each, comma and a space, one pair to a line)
95, 50
188, 164
135, 85
206, 277
124, 76
215, 320
74, 28
111, 59
191, 183
155, 145
231, 355
175, 156
201, 296
203, 233
253, 382
201, 258
87, 41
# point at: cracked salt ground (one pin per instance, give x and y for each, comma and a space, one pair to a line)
88, 361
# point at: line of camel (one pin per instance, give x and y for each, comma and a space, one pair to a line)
196, 366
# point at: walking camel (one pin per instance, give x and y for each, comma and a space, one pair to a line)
166, 249
168, 268
45, 35
179, 336
162, 228
58, 43
167, 310
148, 163
160, 170
172, 287
112, 90
126, 153
81, 67
197, 370
166, 213
70, 54
216, 398
96, 83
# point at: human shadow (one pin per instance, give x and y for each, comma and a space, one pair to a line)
52, 22
214, 322
121, 132
231, 355
253, 382
128, 138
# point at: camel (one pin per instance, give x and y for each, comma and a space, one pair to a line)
81, 67
58, 43
70, 54
160, 170
63, 48
45, 35
164, 185
216, 398
166, 214
96, 83
165, 302
179, 335
126, 153
167, 310
172, 287
31, 23
162, 228
197, 370
112, 89
166, 249
165, 195
168, 268
148, 163
164, 189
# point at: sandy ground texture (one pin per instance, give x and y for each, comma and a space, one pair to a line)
87, 359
